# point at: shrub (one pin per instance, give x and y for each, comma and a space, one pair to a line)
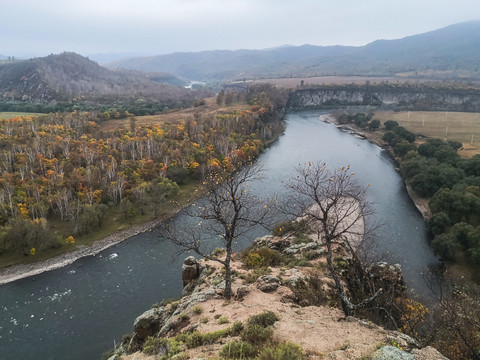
262, 257
222, 320
295, 227
183, 317
251, 277
197, 309
237, 350
236, 328
196, 338
256, 334
267, 318
153, 346
283, 351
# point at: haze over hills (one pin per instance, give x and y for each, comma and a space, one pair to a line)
450, 52
68, 75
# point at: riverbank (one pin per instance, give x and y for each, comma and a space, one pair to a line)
420, 203
21, 271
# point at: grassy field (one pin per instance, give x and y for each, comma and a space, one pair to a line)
210, 108
10, 115
459, 126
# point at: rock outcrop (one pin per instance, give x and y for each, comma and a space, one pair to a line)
421, 98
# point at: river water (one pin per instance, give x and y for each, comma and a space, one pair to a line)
77, 312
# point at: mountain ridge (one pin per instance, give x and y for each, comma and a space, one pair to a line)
454, 48
69, 75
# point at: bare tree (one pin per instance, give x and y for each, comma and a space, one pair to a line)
333, 203
229, 211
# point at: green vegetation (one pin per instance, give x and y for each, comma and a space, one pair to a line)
256, 340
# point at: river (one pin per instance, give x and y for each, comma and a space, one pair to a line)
77, 312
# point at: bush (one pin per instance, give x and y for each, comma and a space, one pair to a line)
267, 318
197, 309
284, 227
196, 338
237, 350
222, 320
256, 334
236, 328
262, 257
283, 351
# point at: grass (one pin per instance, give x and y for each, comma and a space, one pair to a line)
209, 109
11, 115
459, 126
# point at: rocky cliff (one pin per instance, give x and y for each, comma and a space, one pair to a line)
388, 96
283, 311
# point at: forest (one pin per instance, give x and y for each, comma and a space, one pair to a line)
435, 171
62, 171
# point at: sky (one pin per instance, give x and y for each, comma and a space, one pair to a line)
42, 27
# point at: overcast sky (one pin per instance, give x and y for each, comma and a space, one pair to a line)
42, 27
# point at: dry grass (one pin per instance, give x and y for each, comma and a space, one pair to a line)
11, 115
459, 126
210, 108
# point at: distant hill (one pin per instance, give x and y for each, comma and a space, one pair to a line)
452, 51
103, 58
69, 75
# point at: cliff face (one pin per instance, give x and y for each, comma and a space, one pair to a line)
415, 98
203, 325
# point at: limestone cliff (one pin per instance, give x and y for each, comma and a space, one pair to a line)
387, 96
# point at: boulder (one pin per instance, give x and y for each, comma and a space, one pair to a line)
428, 353
190, 270
242, 291
267, 283
391, 353
148, 323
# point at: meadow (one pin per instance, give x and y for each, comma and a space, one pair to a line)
10, 115
459, 126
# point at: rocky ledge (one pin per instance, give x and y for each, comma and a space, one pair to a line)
293, 298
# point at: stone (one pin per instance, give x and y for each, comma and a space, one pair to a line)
190, 270
286, 295
428, 353
267, 283
242, 291
148, 323
391, 353
295, 277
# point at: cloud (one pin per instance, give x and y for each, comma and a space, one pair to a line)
160, 26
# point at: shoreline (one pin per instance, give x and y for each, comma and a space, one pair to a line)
331, 119
17, 272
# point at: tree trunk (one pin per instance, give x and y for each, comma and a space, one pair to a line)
228, 274
346, 305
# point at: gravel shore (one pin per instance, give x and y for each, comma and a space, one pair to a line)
17, 272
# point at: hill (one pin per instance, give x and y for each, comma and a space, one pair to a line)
449, 52
69, 75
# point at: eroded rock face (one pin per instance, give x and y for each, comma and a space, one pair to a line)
394, 353
190, 270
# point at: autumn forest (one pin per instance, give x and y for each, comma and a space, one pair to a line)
62, 174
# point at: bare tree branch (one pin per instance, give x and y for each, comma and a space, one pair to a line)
228, 212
